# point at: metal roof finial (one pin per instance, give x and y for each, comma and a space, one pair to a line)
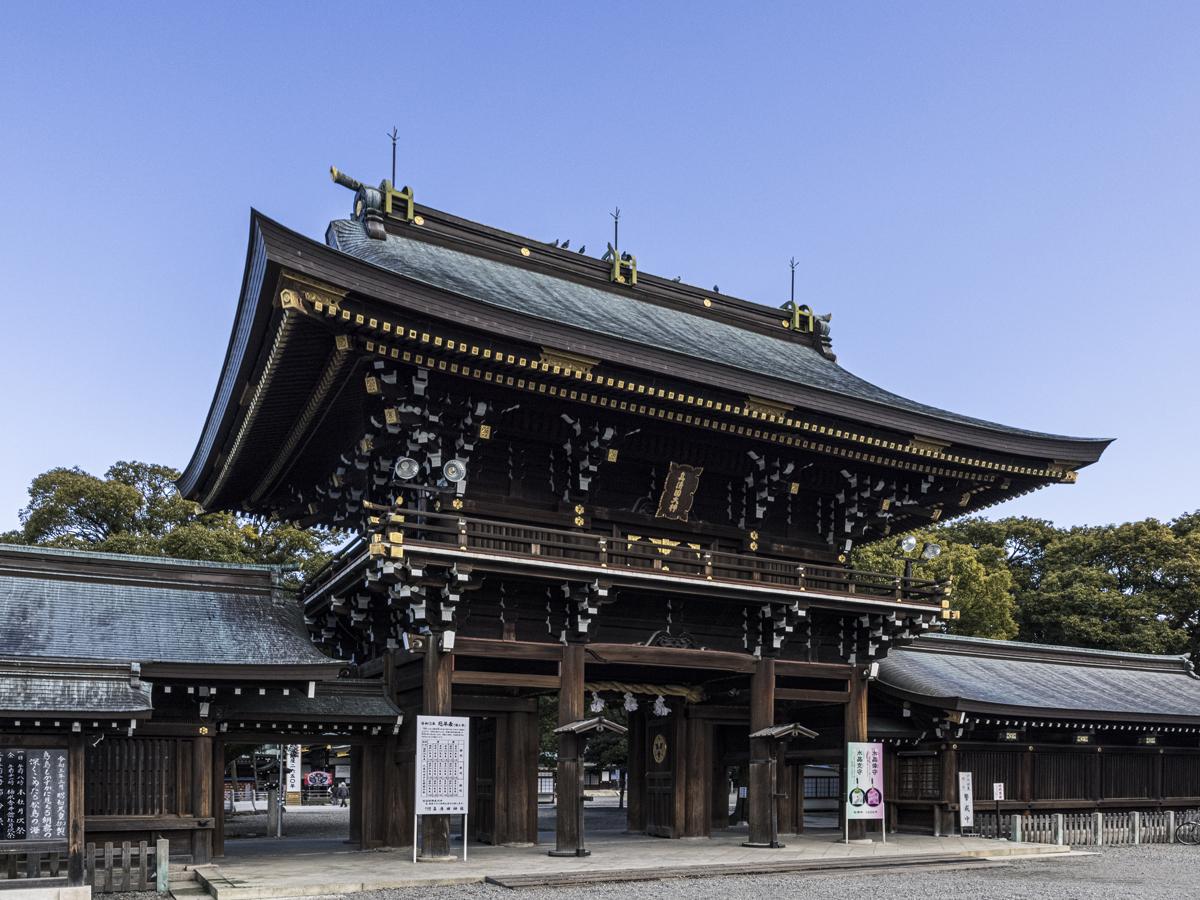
394, 134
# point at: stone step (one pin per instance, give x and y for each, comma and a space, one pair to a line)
812, 866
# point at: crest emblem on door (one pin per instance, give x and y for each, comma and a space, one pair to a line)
659, 749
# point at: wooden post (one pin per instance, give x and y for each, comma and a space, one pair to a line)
762, 751
943, 815
202, 771
635, 814
719, 782
356, 795
75, 809
218, 798
436, 687
568, 802
856, 730
516, 779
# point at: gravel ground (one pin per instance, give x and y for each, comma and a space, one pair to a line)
1153, 871
312, 822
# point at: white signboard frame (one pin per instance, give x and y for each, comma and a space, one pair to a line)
966, 801
997, 790
443, 762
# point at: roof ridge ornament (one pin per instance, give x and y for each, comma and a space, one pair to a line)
371, 205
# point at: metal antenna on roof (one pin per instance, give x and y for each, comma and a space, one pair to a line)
616, 217
394, 134
792, 265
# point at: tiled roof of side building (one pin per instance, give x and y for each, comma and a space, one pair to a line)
92, 606
25, 690
1037, 679
343, 700
617, 315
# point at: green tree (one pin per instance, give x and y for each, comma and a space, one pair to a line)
136, 508
981, 584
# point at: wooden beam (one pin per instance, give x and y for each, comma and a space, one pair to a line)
496, 649
671, 657
812, 695
793, 668
505, 679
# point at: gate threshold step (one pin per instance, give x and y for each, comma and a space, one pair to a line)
766, 867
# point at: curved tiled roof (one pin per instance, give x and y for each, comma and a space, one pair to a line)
626, 317
1036, 679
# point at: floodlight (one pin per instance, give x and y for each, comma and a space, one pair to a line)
454, 471
931, 551
406, 468
908, 544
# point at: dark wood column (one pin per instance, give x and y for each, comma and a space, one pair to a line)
516, 778
943, 815
719, 783
218, 798
75, 809
635, 814
762, 715
697, 775
570, 763
437, 687
356, 794
202, 772
856, 730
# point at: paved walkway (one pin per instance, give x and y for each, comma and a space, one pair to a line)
280, 871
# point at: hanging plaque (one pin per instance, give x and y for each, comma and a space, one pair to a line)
679, 490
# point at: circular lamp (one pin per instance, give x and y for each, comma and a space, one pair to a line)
931, 551
406, 468
908, 544
454, 471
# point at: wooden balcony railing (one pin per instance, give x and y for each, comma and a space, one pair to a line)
652, 554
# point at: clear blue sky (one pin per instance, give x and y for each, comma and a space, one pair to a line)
999, 202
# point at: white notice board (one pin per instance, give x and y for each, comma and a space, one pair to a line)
966, 800
442, 757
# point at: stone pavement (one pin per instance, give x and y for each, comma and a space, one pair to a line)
273, 870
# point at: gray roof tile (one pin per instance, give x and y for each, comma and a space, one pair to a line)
970, 673
625, 317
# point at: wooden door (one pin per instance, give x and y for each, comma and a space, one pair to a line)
661, 754
483, 761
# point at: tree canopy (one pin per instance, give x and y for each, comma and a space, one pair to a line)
136, 508
1133, 587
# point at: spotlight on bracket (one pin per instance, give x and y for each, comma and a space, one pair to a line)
454, 471
406, 469
908, 544
931, 551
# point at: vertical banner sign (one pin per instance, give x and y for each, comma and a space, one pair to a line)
442, 765
679, 491
997, 790
864, 781
291, 759
966, 801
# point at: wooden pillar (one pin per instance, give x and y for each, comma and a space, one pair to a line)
570, 763
396, 802
437, 687
856, 730
762, 750
697, 773
635, 814
218, 798
944, 816
356, 794
202, 771
75, 809
719, 783
516, 779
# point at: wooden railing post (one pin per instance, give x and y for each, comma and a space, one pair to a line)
602, 549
